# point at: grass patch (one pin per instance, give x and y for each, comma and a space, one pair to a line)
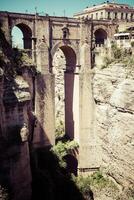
96, 181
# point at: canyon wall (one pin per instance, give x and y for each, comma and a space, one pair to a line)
113, 92
15, 133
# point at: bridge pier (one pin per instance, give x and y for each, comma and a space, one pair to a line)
88, 159
88, 151
44, 132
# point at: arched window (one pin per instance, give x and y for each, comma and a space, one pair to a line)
17, 38
100, 36
21, 36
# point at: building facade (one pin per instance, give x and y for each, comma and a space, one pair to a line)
108, 11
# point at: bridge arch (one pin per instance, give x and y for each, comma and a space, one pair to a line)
65, 47
27, 34
100, 36
101, 26
70, 82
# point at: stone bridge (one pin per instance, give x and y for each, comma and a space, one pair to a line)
43, 36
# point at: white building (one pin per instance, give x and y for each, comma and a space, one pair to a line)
108, 11
124, 39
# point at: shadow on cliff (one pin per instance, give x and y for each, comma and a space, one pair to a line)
50, 181
10, 139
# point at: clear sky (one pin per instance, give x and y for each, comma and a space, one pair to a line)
52, 7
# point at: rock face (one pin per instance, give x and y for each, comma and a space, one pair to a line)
15, 106
114, 97
58, 69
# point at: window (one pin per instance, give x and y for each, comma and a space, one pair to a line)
131, 16
126, 15
115, 15
92, 16
121, 15
109, 15
96, 15
65, 31
101, 15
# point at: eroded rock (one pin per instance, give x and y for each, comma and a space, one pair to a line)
114, 97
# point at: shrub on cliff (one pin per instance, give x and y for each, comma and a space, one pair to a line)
49, 180
119, 55
12, 59
61, 149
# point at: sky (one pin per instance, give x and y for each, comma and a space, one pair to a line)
51, 7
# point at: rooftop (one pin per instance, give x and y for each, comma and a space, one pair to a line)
105, 5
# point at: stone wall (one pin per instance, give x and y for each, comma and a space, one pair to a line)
114, 121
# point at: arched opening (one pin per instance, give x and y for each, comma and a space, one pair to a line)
21, 36
17, 38
59, 65
100, 37
64, 64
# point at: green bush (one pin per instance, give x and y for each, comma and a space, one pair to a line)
96, 180
61, 149
83, 183
120, 55
60, 130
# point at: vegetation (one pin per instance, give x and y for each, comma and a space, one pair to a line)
96, 180
13, 66
60, 130
49, 180
101, 184
117, 52
12, 59
120, 55
61, 149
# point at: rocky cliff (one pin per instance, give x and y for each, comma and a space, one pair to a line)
59, 66
15, 106
113, 92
